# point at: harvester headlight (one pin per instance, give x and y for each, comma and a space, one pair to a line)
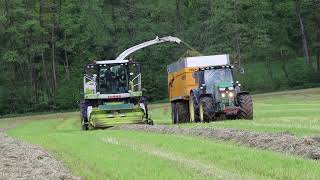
231, 88
223, 95
231, 95
222, 89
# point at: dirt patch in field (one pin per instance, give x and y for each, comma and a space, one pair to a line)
19, 160
281, 142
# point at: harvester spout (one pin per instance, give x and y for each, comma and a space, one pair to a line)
157, 40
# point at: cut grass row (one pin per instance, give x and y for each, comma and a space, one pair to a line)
113, 154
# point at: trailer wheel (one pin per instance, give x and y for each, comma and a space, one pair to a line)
180, 112
193, 109
206, 109
173, 113
246, 107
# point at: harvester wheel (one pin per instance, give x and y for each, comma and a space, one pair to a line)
194, 109
206, 109
246, 107
84, 127
84, 120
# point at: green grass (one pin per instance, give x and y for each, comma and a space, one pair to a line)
297, 112
115, 154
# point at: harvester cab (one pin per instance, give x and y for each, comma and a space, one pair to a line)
113, 95
112, 91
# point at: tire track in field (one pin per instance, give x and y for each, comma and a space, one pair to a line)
281, 142
192, 164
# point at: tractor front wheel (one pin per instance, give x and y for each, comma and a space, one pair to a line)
206, 109
246, 107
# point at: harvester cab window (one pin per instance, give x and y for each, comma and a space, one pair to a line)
113, 79
135, 77
216, 76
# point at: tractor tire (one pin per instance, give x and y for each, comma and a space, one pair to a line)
84, 119
194, 109
206, 109
246, 107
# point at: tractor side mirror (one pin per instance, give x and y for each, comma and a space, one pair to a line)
203, 86
238, 83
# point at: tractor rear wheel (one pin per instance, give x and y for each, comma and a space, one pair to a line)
246, 106
206, 109
194, 109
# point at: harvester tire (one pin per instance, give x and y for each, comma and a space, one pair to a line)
206, 109
194, 109
246, 107
84, 119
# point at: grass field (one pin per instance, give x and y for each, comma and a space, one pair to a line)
118, 154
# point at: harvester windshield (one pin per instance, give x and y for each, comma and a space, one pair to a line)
113, 79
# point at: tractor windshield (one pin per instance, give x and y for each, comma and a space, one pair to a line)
113, 79
216, 76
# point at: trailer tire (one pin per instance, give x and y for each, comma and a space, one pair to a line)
194, 109
246, 106
206, 109
173, 113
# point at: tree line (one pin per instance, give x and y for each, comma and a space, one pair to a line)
44, 44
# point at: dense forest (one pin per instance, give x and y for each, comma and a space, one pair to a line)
44, 44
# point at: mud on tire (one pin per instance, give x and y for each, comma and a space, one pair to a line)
194, 109
180, 112
246, 107
207, 108
83, 114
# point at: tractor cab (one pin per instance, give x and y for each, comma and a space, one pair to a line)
218, 88
217, 80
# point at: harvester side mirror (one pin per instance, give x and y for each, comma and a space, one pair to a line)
242, 71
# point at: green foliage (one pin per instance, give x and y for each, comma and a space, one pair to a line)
45, 44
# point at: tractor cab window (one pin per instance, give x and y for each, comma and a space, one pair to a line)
216, 76
113, 79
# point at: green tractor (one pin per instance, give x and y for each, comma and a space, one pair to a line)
112, 92
218, 96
